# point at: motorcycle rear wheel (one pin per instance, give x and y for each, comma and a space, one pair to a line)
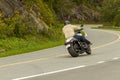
72, 52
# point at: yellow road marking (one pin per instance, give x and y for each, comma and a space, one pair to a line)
55, 56
115, 41
29, 61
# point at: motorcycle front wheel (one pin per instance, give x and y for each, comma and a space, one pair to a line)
88, 51
73, 50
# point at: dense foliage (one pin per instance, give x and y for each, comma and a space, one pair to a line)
70, 9
111, 12
14, 26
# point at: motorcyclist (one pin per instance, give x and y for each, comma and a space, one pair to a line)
83, 35
69, 31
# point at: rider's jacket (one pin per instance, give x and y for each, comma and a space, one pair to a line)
69, 30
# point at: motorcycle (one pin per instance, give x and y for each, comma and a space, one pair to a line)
76, 47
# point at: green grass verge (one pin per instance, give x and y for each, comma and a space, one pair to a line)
15, 46
108, 28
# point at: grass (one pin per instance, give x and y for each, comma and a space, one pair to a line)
108, 28
15, 46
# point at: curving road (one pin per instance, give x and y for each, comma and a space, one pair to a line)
57, 64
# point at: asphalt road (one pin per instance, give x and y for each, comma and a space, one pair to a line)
57, 64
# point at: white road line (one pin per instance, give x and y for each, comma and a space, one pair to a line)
53, 72
101, 62
116, 58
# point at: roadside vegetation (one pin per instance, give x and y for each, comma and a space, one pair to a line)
108, 27
16, 46
19, 34
110, 15
38, 23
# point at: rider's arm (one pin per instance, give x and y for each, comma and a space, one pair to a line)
76, 27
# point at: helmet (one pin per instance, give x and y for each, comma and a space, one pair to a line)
67, 22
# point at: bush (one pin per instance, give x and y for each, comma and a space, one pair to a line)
15, 26
117, 20
110, 11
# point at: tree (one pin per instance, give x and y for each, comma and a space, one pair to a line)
63, 8
50, 3
78, 2
110, 11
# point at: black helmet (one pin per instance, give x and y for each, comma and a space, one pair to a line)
67, 22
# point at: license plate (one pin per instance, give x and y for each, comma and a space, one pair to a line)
68, 45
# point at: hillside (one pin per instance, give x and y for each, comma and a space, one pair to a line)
45, 15
27, 15
26, 24
77, 10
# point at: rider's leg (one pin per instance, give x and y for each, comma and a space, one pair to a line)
81, 38
87, 41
